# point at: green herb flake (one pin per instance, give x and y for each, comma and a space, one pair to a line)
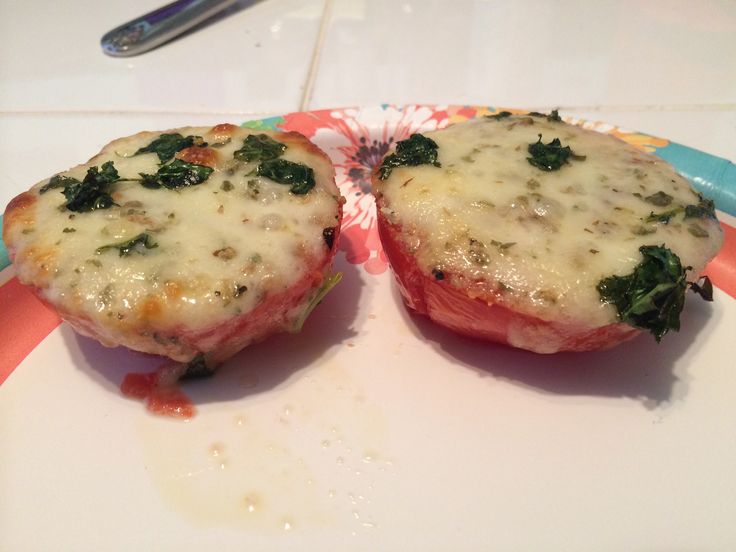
550, 157
660, 199
642, 230
653, 295
166, 145
477, 252
218, 145
69, 230
697, 231
175, 175
253, 188
297, 176
502, 246
259, 147
663, 217
93, 191
128, 247
415, 150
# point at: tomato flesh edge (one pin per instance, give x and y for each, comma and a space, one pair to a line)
482, 318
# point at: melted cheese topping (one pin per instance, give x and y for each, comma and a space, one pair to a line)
536, 241
221, 246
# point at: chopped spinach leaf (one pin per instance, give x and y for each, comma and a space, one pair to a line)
127, 247
550, 157
297, 176
415, 150
166, 145
197, 368
93, 191
57, 181
652, 296
553, 117
704, 209
660, 199
175, 175
326, 287
259, 147
500, 115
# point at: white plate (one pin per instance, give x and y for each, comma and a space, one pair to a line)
375, 430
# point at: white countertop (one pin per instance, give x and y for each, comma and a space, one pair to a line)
576, 459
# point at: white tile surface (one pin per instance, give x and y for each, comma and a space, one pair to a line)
256, 59
528, 53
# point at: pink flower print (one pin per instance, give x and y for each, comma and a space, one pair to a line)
356, 139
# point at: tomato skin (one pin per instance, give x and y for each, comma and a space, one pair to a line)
481, 318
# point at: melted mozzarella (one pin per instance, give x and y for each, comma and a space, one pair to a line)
221, 247
536, 241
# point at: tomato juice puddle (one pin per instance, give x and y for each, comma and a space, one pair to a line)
160, 391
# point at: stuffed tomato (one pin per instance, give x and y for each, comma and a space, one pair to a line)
523, 230
190, 243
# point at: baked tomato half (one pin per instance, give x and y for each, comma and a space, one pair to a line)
526, 231
189, 243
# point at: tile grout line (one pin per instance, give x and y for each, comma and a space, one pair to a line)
314, 63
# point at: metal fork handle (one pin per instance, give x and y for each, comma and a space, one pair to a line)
159, 26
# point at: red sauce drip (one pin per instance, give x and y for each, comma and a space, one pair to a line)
164, 400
